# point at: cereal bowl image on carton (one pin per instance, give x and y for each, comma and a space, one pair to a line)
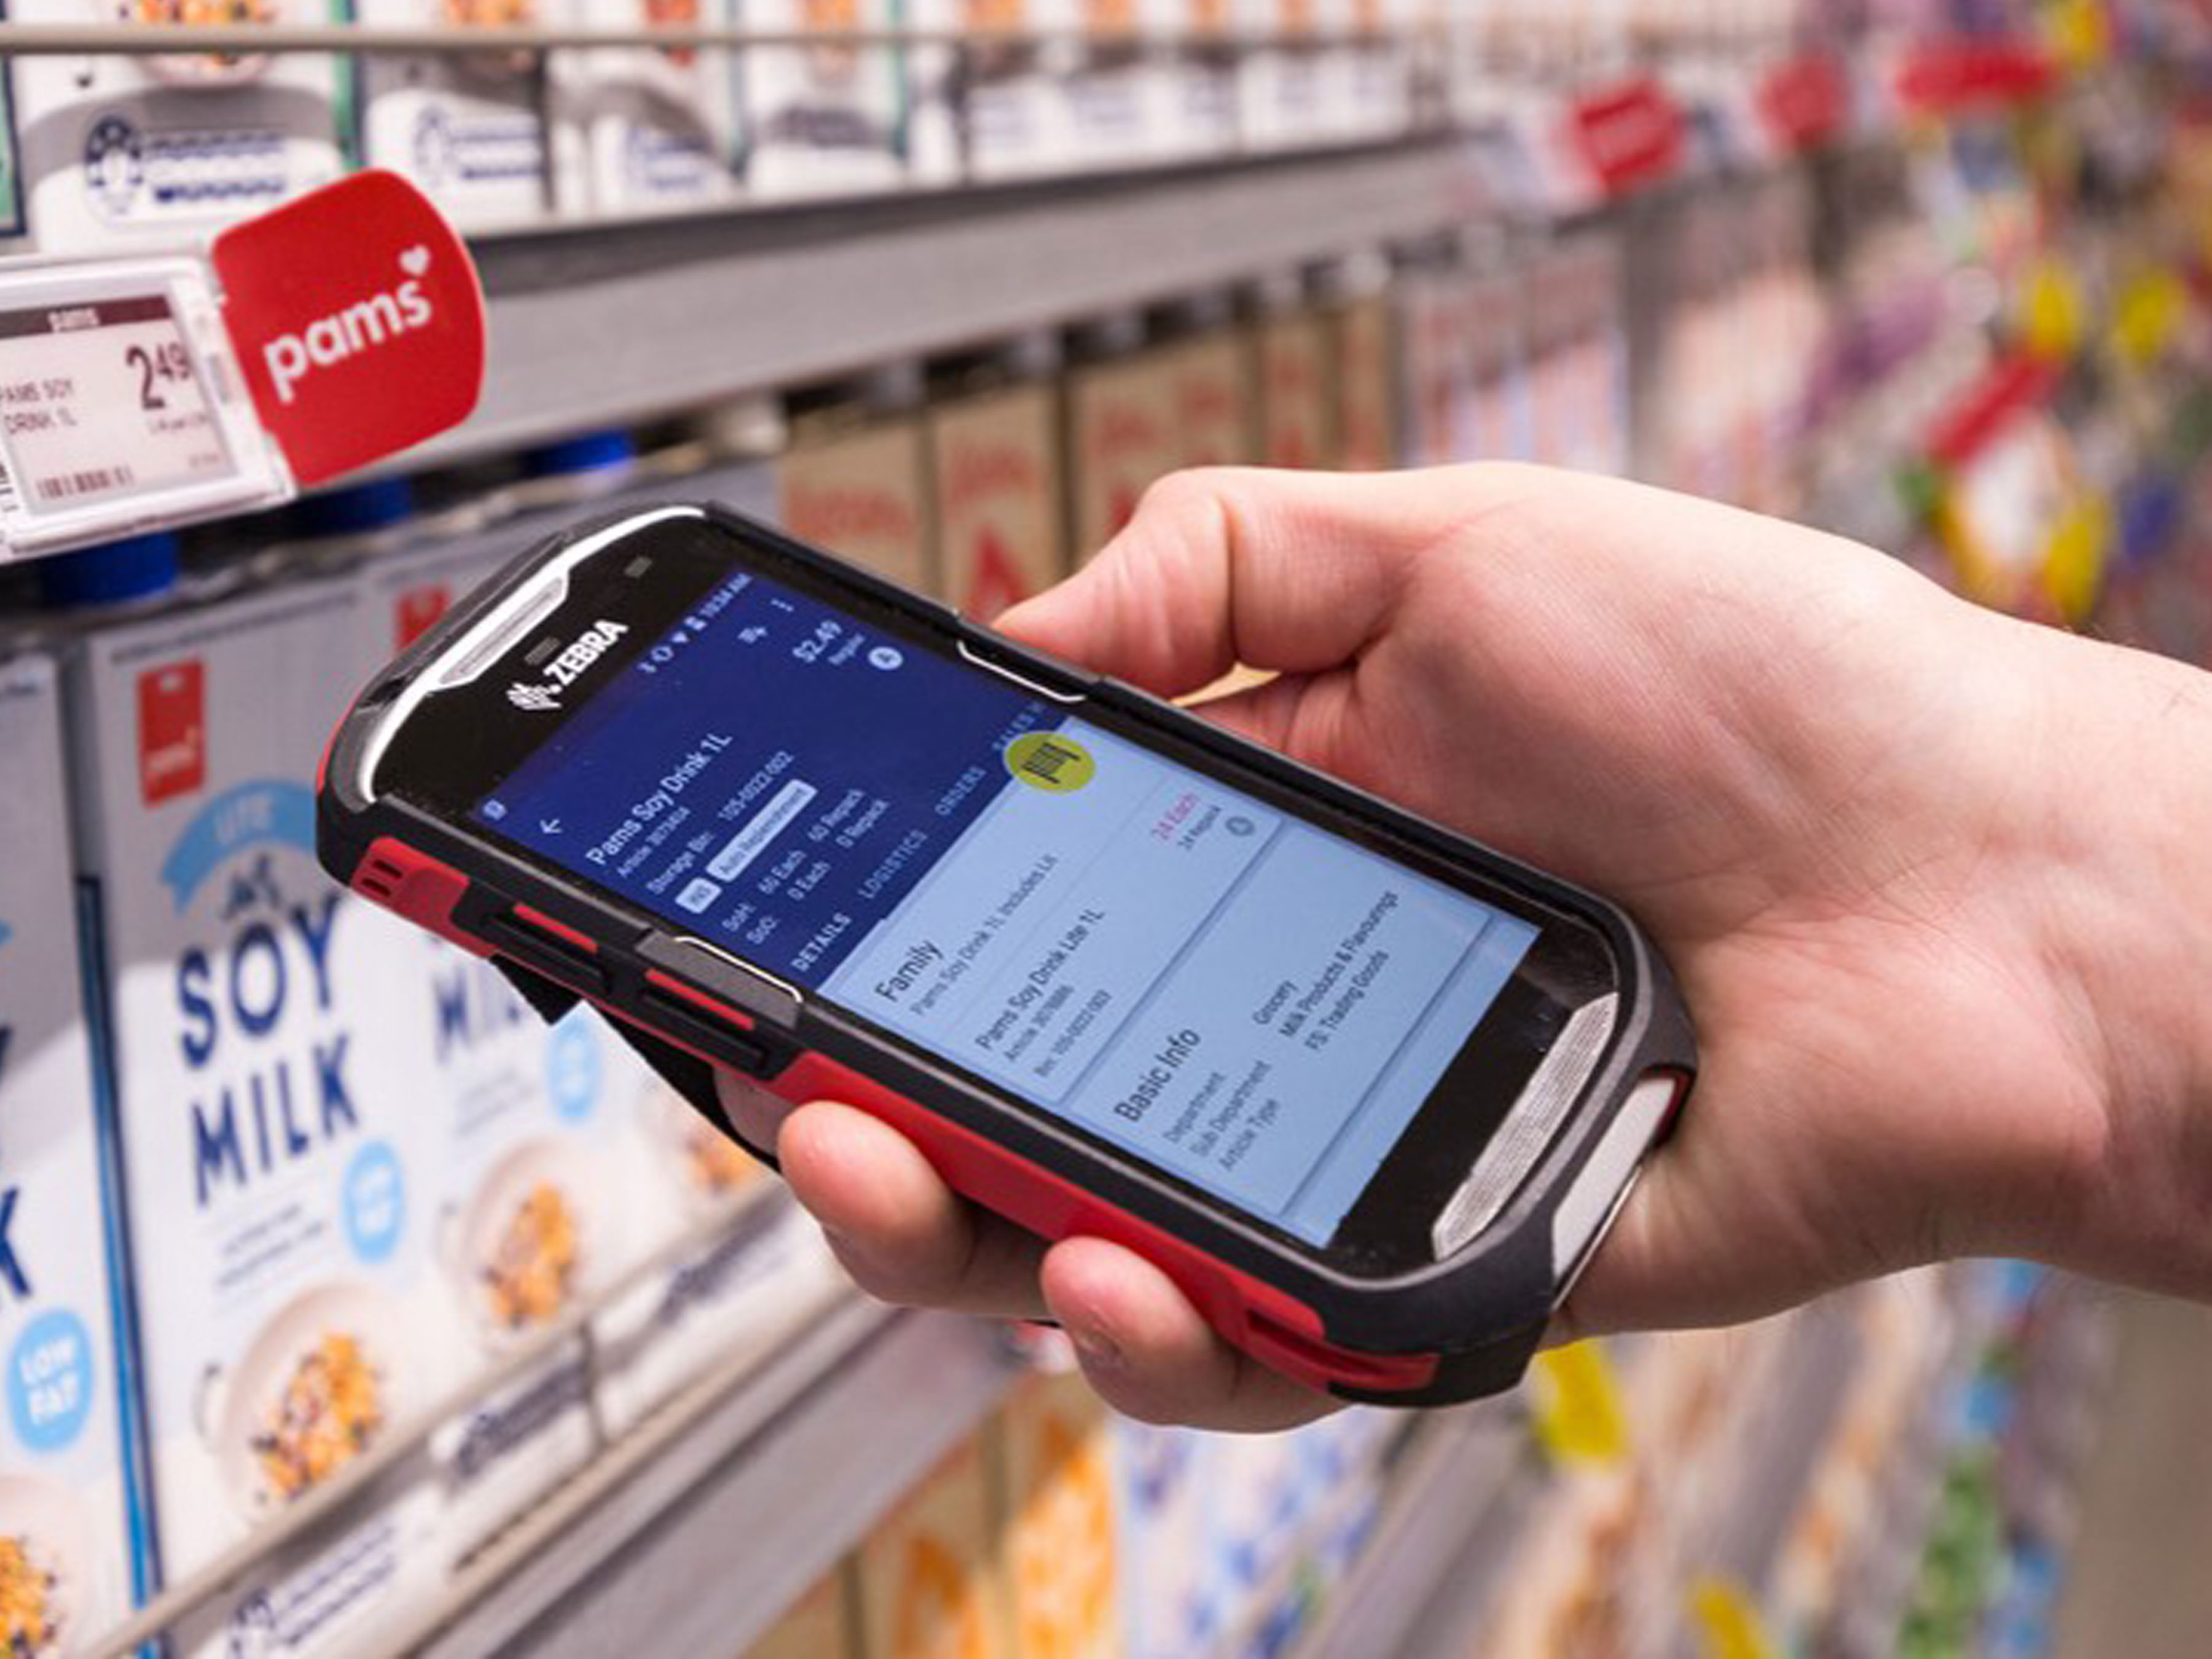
316, 1388
46, 1557
521, 1248
711, 1170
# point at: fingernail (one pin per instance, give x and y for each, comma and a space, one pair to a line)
1098, 1351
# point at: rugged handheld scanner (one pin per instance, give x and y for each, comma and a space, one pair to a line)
1369, 1092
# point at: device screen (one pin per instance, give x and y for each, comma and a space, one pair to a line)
1244, 999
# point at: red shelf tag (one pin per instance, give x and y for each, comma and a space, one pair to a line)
1629, 133
1805, 101
1965, 429
1946, 77
357, 320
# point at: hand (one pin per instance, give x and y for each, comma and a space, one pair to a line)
1899, 851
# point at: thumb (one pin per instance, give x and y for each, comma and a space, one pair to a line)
1292, 572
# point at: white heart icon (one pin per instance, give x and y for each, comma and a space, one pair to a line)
416, 261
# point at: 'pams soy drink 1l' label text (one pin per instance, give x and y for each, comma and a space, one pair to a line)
64, 1573
288, 1308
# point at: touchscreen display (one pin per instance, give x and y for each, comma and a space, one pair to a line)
1244, 1000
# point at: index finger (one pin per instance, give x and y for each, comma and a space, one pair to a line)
1290, 572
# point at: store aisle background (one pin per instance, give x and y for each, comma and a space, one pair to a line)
2142, 1574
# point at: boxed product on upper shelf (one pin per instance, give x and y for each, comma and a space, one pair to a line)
282, 1224
1295, 379
66, 1569
1295, 74
930, 1581
825, 117
123, 151
1124, 430
854, 481
996, 489
637, 130
11, 178
986, 108
468, 127
1055, 1520
1117, 86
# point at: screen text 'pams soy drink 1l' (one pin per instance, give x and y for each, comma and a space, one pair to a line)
65, 1575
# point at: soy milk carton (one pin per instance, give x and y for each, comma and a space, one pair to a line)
11, 182
1366, 389
1056, 1526
1202, 77
126, 153
755, 1271
469, 128
826, 118
1160, 1481
1120, 84
1211, 376
995, 463
64, 1562
993, 108
1294, 83
1123, 432
856, 488
929, 1578
1297, 380
651, 131
291, 1318
818, 1626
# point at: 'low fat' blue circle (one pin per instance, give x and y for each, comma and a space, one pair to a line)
49, 1381
376, 1203
572, 1067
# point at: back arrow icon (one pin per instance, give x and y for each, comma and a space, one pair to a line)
550, 826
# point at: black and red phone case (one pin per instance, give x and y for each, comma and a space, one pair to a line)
1460, 1330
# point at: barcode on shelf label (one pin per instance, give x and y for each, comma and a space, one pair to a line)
86, 481
10, 501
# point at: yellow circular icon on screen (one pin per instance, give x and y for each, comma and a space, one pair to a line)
1049, 761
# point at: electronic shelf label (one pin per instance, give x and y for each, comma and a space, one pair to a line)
140, 394
122, 409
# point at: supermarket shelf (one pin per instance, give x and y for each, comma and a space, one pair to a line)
633, 321
1440, 1518
730, 1512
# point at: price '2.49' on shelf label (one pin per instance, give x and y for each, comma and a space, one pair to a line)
102, 400
120, 410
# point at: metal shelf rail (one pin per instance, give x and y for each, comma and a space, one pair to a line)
595, 329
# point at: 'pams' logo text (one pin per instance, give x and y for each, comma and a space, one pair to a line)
361, 327
172, 731
566, 667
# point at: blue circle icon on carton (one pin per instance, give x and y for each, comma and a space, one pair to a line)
376, 1203
49, 1381
572, 1068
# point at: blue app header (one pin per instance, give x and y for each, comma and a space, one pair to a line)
771, 776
